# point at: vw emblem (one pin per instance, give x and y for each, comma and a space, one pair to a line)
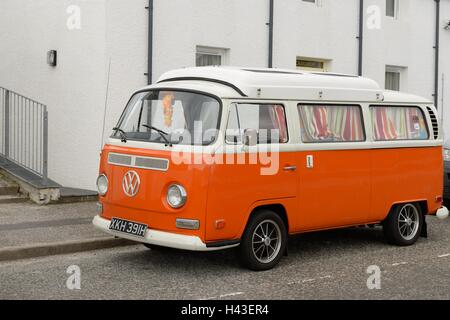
131, 183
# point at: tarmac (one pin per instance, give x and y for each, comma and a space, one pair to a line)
29, 230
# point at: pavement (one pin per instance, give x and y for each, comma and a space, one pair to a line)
9, 191
325, 265
29, 230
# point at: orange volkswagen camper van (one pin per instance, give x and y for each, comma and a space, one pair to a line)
214, 158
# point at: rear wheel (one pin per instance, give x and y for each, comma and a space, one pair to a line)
264, 241
404, 224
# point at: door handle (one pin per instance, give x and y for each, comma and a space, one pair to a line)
290, 168
309, 161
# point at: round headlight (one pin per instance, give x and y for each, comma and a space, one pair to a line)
176, 196
102, 184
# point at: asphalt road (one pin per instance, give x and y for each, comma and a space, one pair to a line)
328, 265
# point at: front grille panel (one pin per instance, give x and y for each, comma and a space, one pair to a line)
148, 163
152, 163
119, 159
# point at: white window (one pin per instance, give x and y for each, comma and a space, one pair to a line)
269, 121
209, 56
398, 123
395, 78
391, 8
312, 64
331, 123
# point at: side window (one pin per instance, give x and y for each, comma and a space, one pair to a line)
268, 120
331, 123
398, 123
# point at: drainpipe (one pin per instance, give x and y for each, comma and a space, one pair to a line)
436, 58
149, 73
270, 24
361, 37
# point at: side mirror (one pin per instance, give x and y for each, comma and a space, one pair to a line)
250, 137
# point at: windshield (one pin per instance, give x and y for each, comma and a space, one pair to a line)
179, 117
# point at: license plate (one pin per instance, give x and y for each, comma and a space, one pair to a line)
128, 227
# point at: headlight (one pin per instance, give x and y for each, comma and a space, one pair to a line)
446, 154
102, 184
176, 196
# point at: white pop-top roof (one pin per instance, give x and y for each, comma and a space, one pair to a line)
233, 82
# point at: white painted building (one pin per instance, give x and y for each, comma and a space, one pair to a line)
102, 50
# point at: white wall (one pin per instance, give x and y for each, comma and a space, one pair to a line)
407, 42
114, 32
126, 52
326, 30
238, 25
73, 91
444, 88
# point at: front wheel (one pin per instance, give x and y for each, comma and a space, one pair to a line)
264, 241
404, 224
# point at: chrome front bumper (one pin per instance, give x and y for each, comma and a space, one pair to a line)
160, 238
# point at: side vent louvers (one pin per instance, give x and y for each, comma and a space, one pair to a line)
434, 122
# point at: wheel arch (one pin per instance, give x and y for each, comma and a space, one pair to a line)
276, 207
422, 203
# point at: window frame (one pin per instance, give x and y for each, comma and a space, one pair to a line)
398, 74
220, 56
398, 106
302, 124
325, 64
124, 111
257, 104
396, 10
212, 51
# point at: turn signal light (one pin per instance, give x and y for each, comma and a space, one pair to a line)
220, 224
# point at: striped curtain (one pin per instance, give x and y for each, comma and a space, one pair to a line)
279, 121
332, 123
398, 123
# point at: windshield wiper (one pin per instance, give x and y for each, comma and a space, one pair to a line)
161, 133
123, 135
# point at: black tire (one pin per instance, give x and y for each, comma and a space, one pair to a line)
404, 224
250, 254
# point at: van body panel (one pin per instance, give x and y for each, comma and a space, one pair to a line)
149, 206
234, 189
336, 191
405, 175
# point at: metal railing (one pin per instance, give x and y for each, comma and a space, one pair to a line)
24, 132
